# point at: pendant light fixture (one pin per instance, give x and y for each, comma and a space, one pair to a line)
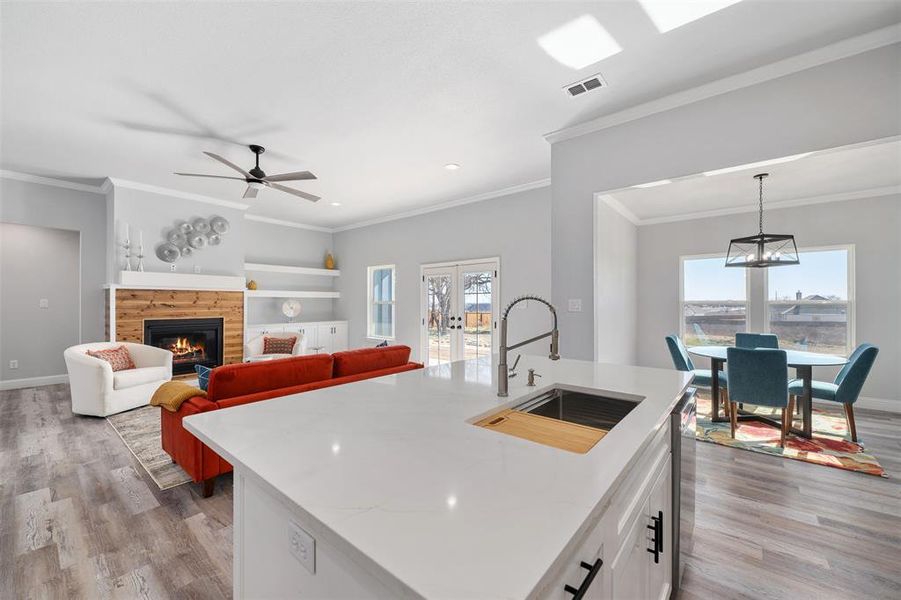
764, 249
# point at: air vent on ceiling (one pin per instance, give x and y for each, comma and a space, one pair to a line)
586, 85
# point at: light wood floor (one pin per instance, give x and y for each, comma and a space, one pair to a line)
79, 518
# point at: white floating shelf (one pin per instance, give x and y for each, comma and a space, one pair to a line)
289, 269
290, 294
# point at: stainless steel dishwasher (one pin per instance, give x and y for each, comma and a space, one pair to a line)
683, 422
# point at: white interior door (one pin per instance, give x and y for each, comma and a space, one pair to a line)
459, 310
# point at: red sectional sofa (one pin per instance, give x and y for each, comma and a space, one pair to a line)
233, 385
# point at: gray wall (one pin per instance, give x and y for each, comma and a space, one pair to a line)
49, 206
156, 213
852, 100
282, 245
516, 228
874, 227
616, 288
37, 263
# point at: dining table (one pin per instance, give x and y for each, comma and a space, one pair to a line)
803, 362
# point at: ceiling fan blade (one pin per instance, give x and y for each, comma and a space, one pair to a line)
250, 192
288, 190
228, 163
296, 176
211, 176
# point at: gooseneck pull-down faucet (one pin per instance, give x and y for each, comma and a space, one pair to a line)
502, 371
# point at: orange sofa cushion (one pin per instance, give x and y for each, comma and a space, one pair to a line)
364, 360
230, 381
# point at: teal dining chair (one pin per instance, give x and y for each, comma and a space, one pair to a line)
759, 377
845, 389
756, 340
682, 362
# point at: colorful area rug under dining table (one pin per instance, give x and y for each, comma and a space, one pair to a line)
830, 445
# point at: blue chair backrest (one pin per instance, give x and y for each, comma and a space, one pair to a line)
758, 377
756, 340
677, 350
851, 378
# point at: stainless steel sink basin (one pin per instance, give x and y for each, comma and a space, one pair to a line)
591, 410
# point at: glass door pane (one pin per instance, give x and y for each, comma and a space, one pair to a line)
477, 312
438, 312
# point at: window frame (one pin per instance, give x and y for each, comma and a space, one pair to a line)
371, 302
681, 303
851, 338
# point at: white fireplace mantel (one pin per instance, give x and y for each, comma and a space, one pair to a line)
177, 281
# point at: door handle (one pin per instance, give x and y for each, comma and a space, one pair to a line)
579, 593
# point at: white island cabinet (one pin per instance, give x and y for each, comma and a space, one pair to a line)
386, 488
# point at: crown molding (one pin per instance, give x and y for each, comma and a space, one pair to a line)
814, 58
51, 181
285, 223
134, 185
534, 185
769, 206
619, 207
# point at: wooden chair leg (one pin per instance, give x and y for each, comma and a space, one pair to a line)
797, 405
733, 418
852, 426
724, 400
786, 421
207, 487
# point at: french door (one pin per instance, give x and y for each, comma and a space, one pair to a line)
459, 310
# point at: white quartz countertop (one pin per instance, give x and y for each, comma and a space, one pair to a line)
392, 469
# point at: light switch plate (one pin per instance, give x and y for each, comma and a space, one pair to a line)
197, 269
575, 305
43, 303
302, 546
13, 364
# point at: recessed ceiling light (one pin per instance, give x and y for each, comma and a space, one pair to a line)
336, 204
579, 43
754, 165
452, 167
668, 15
653, 183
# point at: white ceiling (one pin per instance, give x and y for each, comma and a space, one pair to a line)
820, 176
372, 97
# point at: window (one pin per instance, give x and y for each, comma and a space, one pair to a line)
808, 305
714, 302
380, 303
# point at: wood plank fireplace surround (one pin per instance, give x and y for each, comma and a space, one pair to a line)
130, 313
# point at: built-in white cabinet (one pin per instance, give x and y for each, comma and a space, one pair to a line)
332, 337
321, 337
616, 559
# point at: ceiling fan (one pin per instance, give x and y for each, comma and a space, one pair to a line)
257, 179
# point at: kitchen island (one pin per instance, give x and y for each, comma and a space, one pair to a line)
387, 488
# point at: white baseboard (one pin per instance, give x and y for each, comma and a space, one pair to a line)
17, 384
864, 402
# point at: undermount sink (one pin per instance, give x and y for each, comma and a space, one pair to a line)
563, 418
591, 410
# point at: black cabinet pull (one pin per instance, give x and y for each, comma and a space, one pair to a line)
586, 583
657, 528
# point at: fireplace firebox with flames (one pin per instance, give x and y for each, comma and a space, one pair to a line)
191, 341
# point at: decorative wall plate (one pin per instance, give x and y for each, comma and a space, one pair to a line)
213, 239
168, 252
187, 251
291, 308
201, 225
186, 228
197, 240
220, 225
176, 237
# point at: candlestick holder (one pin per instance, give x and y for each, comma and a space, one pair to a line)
126, 245
140, 256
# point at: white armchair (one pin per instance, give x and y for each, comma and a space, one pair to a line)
97, 390
254, 346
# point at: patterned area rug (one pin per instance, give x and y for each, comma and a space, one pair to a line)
140, 430
831, 444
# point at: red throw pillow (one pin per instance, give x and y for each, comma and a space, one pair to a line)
118, 358
278, 345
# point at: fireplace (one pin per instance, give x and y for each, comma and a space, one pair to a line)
191, 341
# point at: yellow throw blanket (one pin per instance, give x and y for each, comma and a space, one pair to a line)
171, 394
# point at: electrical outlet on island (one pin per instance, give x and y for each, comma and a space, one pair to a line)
172, 268
197, 269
